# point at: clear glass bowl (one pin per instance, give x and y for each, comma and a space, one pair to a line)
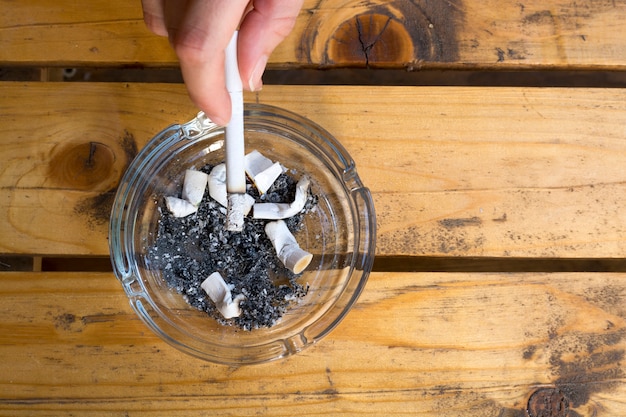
340, 234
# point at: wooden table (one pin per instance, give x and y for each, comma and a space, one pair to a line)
499, 286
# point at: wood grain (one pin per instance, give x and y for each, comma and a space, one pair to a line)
415, 344
503, 172
348, 33
78, 145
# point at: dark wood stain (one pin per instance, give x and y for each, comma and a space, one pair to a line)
386, 34
541, 17
462, 222
583, 365
64, 321
529, 353
98, 208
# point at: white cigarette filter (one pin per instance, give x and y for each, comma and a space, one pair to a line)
287, 248
194, 186
217, 189
261, 170
219, 292
275, 211
179, 207
256, 162
217, 184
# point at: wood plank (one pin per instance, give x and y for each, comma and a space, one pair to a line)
415, 344
504, 172
41, 32
79, 140
329, 33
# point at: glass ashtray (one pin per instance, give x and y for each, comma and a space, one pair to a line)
340, 233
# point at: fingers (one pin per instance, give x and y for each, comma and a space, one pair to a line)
153, 16
263, 28
199, 36
199, 31
174, 18
202, 27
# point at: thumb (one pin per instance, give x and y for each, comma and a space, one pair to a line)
262, 29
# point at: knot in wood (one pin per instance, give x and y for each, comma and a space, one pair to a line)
389, 34
548, 402
370, 39
82, 166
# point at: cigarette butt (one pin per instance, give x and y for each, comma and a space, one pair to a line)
179, 207
218, 291
194, 185
287, 248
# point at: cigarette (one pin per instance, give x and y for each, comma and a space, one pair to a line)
235, 153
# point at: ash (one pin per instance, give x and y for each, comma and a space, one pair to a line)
187, 250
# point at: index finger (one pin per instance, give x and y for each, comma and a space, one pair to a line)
200, 41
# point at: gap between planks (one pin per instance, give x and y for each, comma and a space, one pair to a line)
341, 76
381, 264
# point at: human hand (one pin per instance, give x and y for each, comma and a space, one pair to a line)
199, 31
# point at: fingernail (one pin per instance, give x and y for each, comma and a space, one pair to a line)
255, 83
218, 120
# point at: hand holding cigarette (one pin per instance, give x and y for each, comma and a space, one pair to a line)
200, 30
